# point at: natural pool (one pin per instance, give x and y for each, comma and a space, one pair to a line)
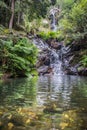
51, 102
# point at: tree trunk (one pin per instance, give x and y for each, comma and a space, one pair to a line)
19, 12
12, 15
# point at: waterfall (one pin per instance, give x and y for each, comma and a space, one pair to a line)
53, 19
51, 56
53, 22
56, 62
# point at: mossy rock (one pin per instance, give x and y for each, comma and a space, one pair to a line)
17, 120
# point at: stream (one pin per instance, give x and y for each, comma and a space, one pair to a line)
49, 102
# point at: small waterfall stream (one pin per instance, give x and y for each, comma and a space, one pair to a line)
56, 63
51, 56
53, 22
52, 14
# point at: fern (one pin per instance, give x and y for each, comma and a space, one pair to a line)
19, 58
84, 61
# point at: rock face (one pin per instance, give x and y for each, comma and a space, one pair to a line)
43, 63
82, 71
53, 43
48, 58
71, 57
54, 57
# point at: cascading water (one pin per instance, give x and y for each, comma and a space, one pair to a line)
53, 19
53, 55
53, 22
56, 63
50, 57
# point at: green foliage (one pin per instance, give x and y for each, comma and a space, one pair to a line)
84, 61
53, 2
18, 59
38, 8
31, 26
51, 35
74, 24
2, 4
4, 12
32, 9
67, 4
33, 12
3, 30
78, 16
1, 74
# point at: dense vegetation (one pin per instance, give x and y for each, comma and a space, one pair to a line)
74, 28
18, 56
16, 12
27, 16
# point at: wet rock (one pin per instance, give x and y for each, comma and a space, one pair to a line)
56, 45
53, 43
52, 108
71, 56
6, 118
47, 61
17, 120
44, 70
71, 71
82, 71
48, 56
68, 66
43, 60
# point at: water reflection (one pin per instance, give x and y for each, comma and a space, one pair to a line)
20, 92
47, 103
63, 89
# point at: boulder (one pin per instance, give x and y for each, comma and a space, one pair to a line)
71, 71
44, 70
82, 71
56, 45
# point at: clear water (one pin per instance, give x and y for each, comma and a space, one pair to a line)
57, 102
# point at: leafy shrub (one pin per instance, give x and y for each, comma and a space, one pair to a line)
84, 61
1, 29
17, 59
74, 24
51, 35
